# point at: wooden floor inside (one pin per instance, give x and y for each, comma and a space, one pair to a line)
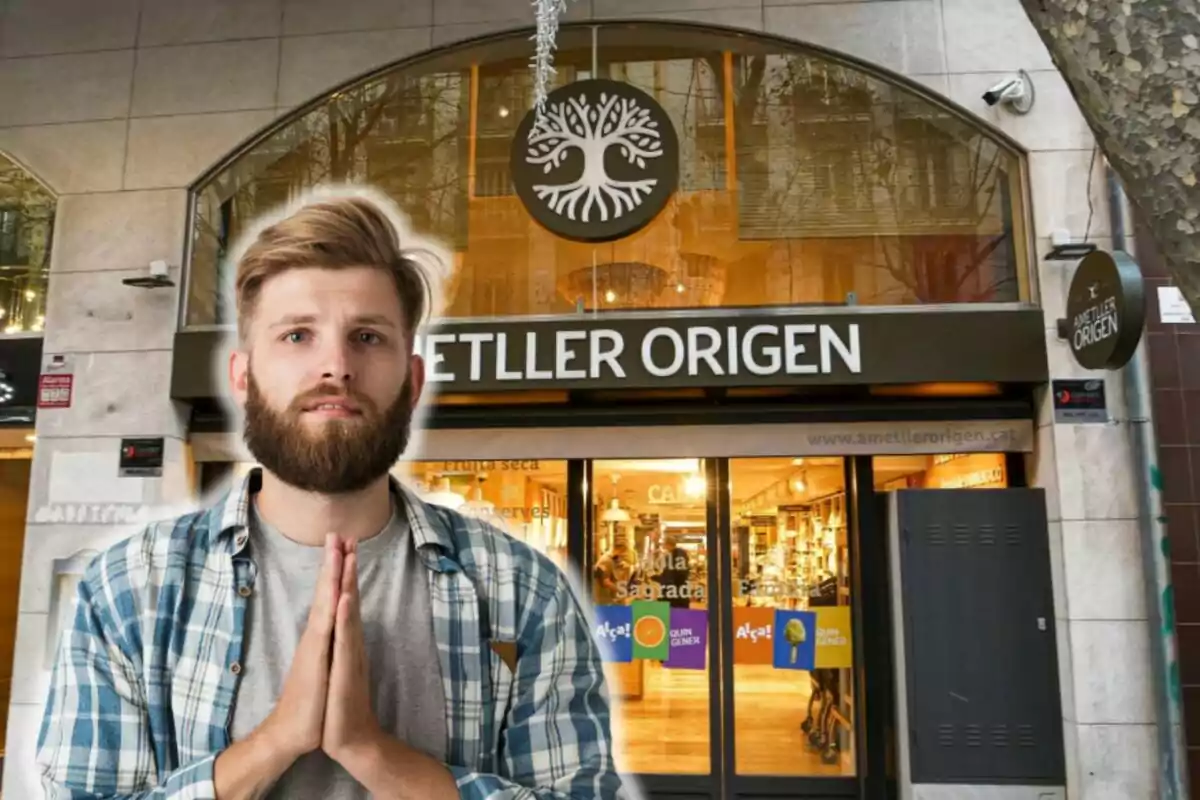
667, 729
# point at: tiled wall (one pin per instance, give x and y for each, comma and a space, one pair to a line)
1175, 377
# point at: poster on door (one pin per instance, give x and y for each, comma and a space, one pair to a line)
752, 639
795, 642
835, 648
689, 639
613, 633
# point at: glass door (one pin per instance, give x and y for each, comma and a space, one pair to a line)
724, 601
790, 678
649, 564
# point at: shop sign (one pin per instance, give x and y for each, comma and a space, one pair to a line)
764, 349
54, 391
55, 383
1078, 401
1106, 310
141, 458
598, 164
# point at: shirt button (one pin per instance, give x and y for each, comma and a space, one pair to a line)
244, 591
235, 668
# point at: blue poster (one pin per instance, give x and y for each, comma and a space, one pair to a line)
795, 639
614, 632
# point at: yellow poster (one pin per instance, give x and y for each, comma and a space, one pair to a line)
835, 649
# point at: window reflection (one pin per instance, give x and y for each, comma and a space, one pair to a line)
812, 181
26, 224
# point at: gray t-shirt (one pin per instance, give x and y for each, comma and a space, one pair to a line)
406, 680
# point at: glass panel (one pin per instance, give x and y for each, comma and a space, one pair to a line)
650, 561
812, 181
793, 692
26, 224
954, 471
526, 499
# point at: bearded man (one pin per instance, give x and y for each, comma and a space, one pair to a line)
321, 632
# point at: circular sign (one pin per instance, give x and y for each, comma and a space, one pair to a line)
599, 163
1106, 310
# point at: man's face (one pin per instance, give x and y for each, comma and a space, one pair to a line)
326, 378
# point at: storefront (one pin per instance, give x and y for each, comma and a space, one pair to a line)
707, 315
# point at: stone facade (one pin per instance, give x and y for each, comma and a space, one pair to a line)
119, 105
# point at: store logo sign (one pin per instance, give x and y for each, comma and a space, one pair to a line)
1106, 310
598, 164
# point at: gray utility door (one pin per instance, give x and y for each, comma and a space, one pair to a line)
983, 695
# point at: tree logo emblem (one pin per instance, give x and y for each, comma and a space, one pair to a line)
599, 164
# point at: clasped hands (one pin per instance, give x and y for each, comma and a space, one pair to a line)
326, 698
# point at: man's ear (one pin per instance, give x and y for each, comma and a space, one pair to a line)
416, 377
239, 375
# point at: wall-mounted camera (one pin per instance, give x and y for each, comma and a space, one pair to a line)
1015, 93
156, 279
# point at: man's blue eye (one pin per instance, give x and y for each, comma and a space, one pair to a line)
295, 336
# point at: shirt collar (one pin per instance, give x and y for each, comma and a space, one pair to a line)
431, 527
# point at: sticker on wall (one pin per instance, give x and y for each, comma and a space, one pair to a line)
689, 639
651, 624
835, 648
795, 642
614, 632
752, 629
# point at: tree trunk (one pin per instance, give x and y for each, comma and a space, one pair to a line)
1134, 69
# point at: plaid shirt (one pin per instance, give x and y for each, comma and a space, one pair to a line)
144, 681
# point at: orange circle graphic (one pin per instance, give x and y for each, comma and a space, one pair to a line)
649, 632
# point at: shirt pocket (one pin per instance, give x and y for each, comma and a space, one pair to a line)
502, 680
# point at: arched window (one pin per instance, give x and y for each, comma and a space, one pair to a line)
26, 229
805, 179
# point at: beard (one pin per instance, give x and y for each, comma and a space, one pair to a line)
337, 457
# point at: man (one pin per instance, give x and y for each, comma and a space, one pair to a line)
321, 632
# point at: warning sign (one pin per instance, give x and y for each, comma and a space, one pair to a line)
54, 391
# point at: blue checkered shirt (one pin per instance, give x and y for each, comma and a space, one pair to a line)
146, 674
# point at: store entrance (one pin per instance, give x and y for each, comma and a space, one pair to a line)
742, 602
748, 564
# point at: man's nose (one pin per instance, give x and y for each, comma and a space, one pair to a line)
337, 362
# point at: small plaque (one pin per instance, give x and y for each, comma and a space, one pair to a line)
141, 458
54, 391
1077, 401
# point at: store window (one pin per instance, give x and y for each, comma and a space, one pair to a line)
26, 225
525, 498
650, 575
950, 471
812, 180
793, 686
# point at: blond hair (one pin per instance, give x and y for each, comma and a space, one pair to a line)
334, 232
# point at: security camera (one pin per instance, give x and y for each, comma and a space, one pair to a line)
1015, 92
157, 279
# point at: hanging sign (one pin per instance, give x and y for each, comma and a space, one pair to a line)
598, 164
1106, 310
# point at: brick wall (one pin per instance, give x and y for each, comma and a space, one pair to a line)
1174, 352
